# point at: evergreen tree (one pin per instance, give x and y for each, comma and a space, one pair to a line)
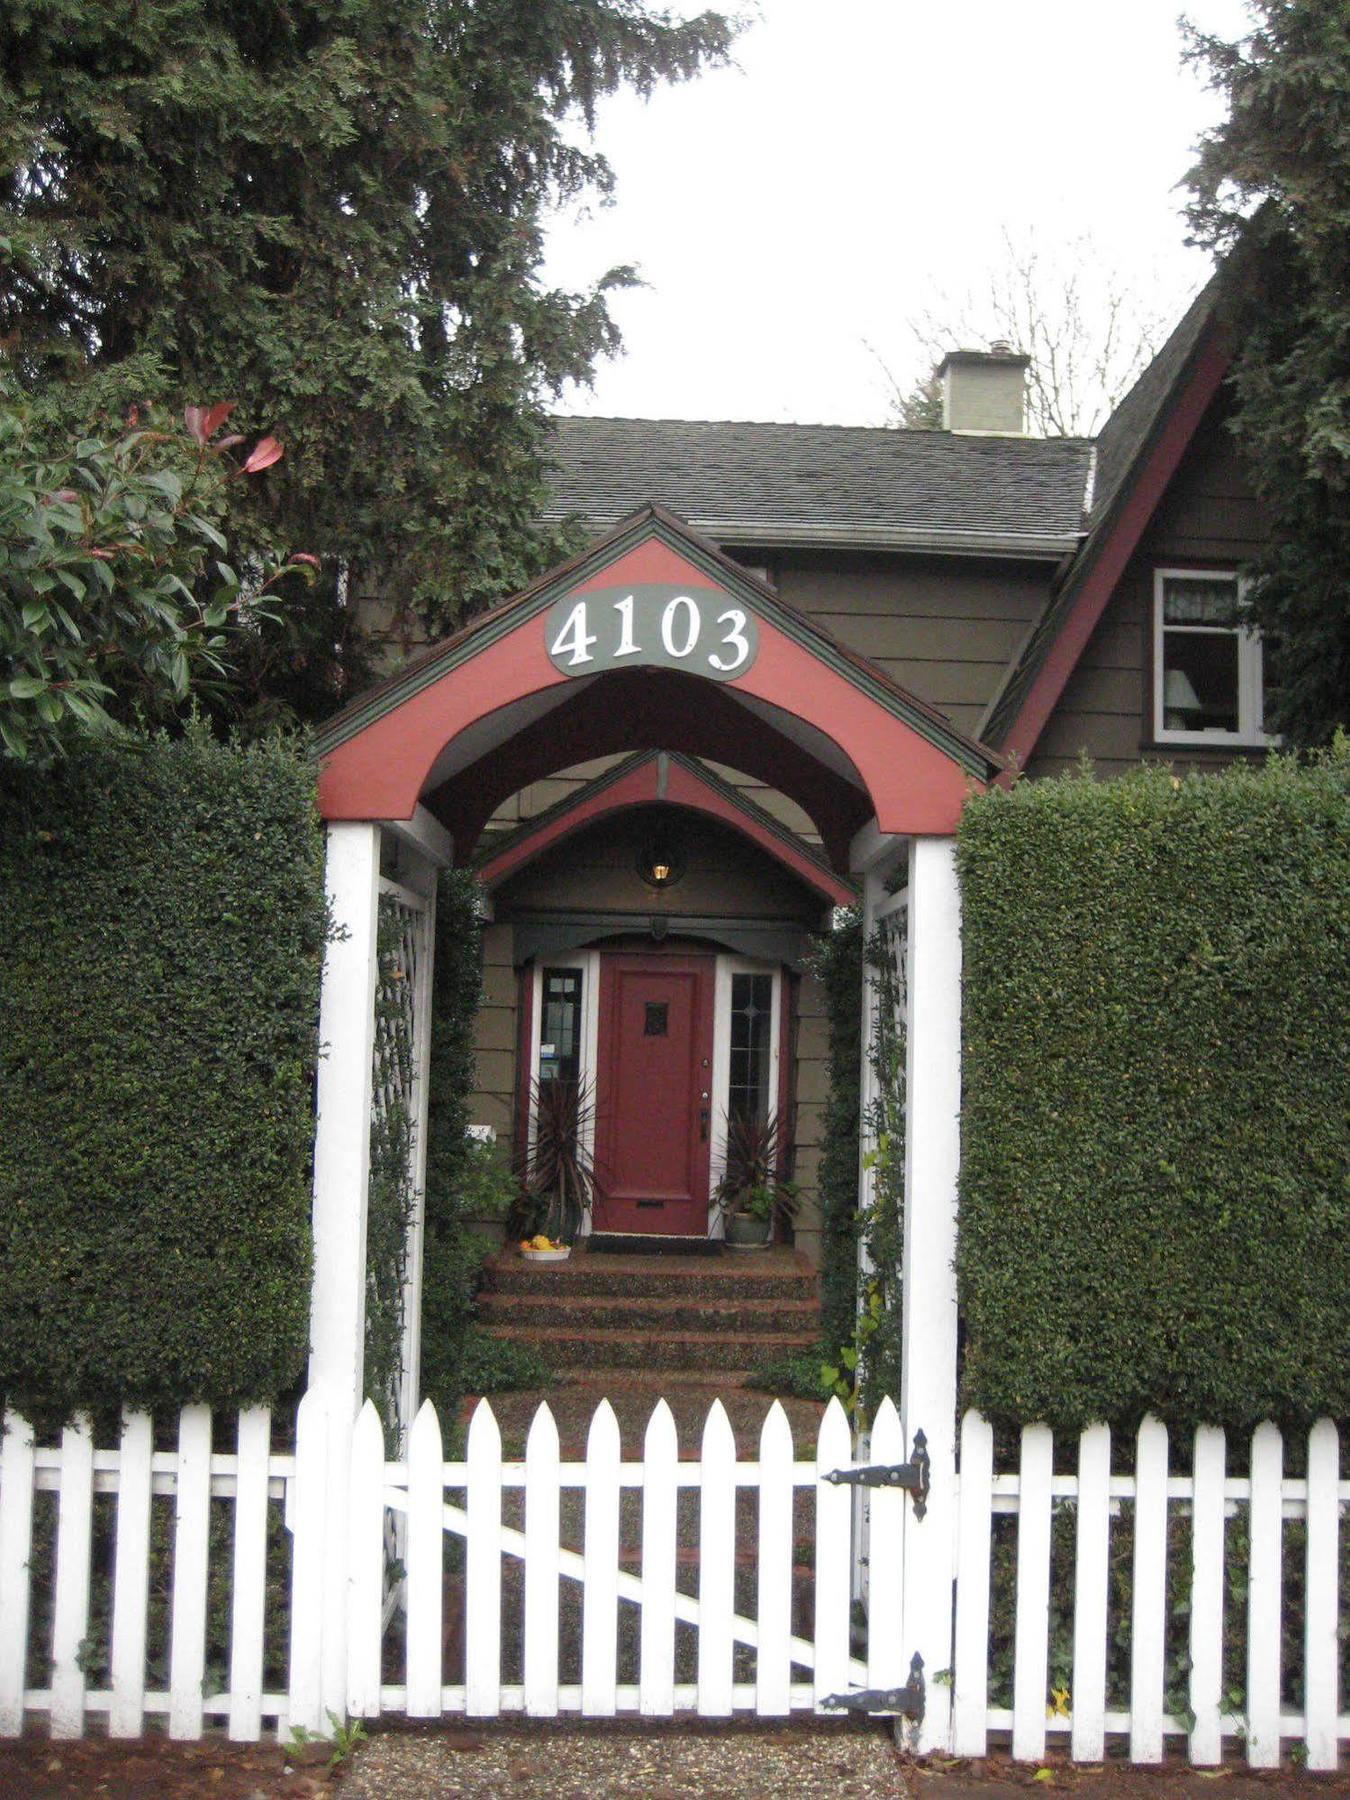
333, 214
1272, 192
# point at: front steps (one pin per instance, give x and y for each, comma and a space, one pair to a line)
633, 1328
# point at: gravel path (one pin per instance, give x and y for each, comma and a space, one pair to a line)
626, 1764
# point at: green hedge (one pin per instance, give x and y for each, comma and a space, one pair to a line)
1157, 1031
163, 926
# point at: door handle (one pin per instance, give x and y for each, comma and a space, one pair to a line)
703, 1113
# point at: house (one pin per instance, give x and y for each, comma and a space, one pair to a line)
668, 758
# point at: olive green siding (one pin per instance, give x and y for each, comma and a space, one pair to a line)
493, 1099
595, 870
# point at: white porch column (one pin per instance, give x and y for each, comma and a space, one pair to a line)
341, 1191
932, 1163
342, 1129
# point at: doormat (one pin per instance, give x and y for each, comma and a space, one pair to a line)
649, 1243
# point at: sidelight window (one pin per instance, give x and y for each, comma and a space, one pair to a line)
560, 1026
751, 1035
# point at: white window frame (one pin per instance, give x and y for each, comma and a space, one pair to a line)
727, 966
1250, 697
588, 963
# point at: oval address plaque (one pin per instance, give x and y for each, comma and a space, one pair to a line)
700, 630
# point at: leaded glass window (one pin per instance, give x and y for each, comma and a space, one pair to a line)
560, 1026
751, 1025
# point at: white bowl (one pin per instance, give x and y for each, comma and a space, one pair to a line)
548, 1256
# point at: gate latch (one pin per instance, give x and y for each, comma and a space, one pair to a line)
907, 1700
913, 1475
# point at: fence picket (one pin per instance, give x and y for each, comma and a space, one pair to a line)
1032, 1635
1321, 1656
717, 1564
306, 1516
773, 1662
365, 1565
834, 1552
1091, 1548
970, 1675
16, 1540
191, 1539
248, 1620
887, 1662
600, 1579
131, 1578
70, 1606
1263, 1600
426, 1555
656, 1668
1148, 1617
542, 1518
483, 1566
1207, 1511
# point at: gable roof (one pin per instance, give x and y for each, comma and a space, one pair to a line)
661, 777
864, 487
447, 716
1138, 452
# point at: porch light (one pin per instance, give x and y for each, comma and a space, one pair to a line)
660, 862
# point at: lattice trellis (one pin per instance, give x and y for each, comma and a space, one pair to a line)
401, 996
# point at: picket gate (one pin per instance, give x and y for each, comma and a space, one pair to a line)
665, 1584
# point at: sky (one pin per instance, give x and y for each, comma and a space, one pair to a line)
862, 165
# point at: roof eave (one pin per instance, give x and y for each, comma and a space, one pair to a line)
773, 533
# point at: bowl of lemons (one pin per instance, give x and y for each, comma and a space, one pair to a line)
543, 1249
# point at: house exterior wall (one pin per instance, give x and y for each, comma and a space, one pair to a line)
493, 1100
1208, 516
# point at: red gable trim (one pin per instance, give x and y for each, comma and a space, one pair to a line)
1119, 541
682, 786
377, 758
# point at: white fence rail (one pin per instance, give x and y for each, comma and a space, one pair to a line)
185, 1584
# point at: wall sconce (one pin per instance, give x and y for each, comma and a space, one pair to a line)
660, 861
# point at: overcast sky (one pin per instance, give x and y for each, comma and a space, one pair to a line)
860, 166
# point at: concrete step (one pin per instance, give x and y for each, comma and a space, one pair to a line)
730, 1312
645, 1349
764, 1275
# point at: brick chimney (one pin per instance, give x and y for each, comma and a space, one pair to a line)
985, 390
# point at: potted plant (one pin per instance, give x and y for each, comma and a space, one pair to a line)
560, 1172
753, 1195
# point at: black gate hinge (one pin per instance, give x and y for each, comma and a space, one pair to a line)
908, 1700
914, 1475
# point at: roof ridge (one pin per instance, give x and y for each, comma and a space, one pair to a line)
898, 431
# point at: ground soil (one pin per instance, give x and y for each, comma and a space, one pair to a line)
562, 1761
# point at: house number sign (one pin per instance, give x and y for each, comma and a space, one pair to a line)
700, 630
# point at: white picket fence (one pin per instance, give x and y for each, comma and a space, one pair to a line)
487, 1585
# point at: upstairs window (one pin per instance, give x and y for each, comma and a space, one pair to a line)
1206, 665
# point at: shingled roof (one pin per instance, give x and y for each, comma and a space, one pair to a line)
866, 487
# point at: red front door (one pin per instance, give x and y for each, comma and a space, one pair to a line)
653, 1095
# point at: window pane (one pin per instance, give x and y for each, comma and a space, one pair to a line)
751, 1023
1202, 601
560, 1026
1200, 680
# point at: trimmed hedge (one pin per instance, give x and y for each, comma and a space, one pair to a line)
163, 926
1157, 1030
